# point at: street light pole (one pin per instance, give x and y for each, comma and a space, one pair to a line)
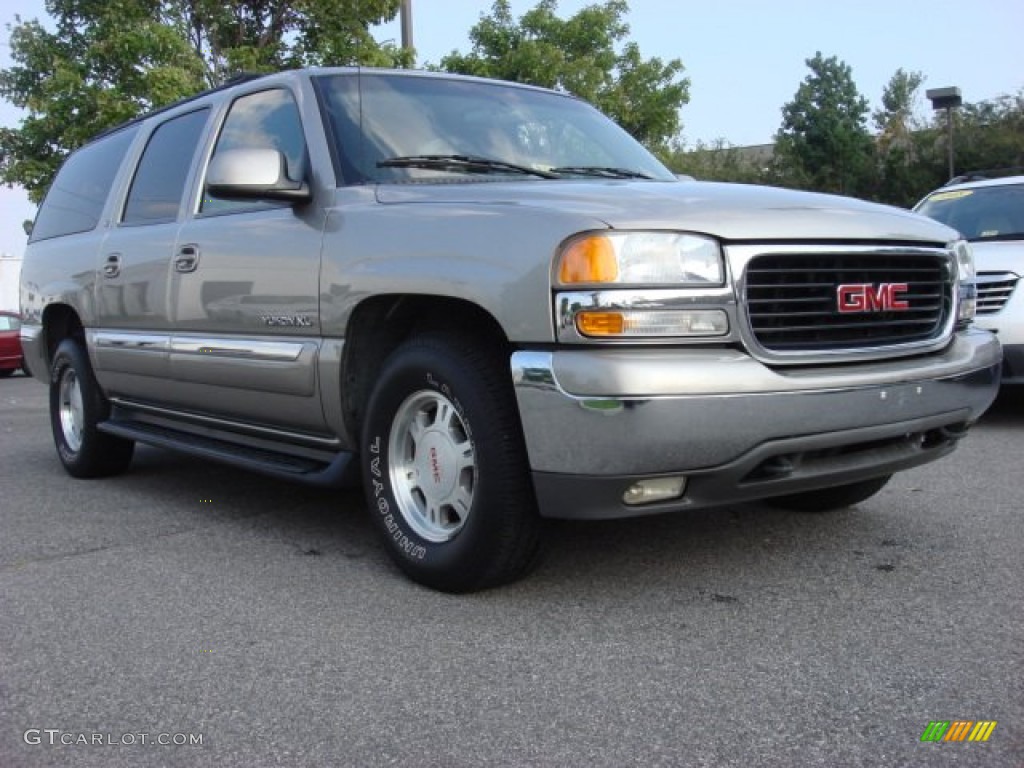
406, 10
947, 99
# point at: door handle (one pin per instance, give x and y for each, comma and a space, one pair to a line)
112, 266
187, 259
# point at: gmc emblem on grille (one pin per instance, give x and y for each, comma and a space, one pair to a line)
865, 297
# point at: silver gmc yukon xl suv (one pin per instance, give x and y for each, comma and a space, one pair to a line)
494, 305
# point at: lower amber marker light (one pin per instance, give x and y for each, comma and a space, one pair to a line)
652, 323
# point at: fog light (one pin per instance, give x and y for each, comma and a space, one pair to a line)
654, 489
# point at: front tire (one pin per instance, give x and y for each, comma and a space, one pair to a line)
76, 407
445, 466
829, 499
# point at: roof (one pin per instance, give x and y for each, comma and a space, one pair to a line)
988, 174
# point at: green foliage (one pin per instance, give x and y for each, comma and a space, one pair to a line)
824, 143
110, 60
905, 160
580, 55
990, 134
895, 120
721, 161
271, 35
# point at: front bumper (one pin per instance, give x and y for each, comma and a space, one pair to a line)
595, 421
1013, 364
1008, 325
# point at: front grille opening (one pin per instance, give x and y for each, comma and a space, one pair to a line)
852, 456
792, 300
994, 290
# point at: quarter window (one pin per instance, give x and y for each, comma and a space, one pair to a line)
159, 182
76, 197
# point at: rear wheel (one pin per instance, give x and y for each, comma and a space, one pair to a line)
445, 466
7, 372
828, 499
76, 407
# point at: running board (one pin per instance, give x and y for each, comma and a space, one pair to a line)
340, 472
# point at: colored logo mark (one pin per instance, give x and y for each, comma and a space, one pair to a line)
958, 730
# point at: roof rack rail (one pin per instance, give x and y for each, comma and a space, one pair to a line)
236, 79
989, 173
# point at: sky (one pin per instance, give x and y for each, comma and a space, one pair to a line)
745, 58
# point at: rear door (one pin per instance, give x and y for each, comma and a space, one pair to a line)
132, 336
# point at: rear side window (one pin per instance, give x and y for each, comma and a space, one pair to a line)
76, 197
159, 182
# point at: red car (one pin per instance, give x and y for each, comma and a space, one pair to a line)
10, 344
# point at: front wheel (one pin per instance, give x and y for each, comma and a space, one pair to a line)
828, 499
76, 407
445, 466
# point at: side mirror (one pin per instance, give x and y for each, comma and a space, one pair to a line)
254, 174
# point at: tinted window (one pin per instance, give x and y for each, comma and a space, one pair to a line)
264, 120
76, 197
159, 182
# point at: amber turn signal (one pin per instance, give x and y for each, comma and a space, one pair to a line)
600, 323
589, 260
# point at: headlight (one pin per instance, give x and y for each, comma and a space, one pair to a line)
964, 260
641, 258
965, 276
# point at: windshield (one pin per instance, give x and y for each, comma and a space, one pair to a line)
982, 213
417, 128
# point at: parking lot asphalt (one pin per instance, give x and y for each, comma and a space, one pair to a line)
187, 600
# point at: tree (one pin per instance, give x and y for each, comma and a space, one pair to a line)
824, 143
990, 134
580, 55
720, 161
270, 35
904, 163
109, 60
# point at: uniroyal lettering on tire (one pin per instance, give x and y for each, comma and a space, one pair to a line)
444, 465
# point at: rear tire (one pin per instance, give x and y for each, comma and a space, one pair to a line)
76, 407
445, 468
829, 499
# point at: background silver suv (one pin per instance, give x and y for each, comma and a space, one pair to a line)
990, 214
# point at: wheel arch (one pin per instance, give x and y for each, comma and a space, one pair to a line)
59, 322
378, 325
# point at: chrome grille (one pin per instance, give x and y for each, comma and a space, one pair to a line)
791, 299
994, 290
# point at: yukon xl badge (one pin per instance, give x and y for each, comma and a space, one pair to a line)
865, 297
293, 321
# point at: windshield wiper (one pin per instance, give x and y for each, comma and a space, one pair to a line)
462, 164
605, 172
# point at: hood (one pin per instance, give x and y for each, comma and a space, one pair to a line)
999, 256
732, 212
